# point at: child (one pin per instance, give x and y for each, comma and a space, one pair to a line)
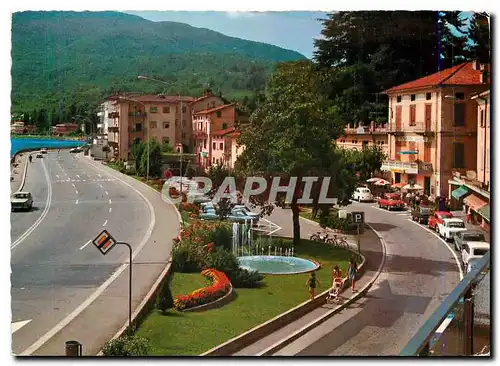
351, 271
336, 274
312, 282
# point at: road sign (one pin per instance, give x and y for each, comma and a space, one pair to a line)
358, 217
104, 242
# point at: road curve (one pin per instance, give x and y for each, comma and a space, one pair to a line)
419, 272
53, 270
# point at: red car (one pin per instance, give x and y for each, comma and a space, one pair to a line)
391, 201
437, 218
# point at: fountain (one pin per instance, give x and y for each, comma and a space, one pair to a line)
269, 251
275, 251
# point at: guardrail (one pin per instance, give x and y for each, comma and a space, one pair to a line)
419, 345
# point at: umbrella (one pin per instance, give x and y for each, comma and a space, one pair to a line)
372, 180
398, 185
413, 187
382, 182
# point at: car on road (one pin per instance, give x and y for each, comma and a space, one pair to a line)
437, 218
21, 201
450, 227
474, 250
75, 150
391, 201
43, 150
362, 194
236, 215
421, 214
247, 210
464, 237
39, 154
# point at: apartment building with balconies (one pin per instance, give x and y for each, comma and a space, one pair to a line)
358, 137
433, 127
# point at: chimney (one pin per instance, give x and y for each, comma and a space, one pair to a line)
476, 65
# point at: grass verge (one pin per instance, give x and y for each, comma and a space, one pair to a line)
191, 334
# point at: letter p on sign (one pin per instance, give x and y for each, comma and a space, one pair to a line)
358, 217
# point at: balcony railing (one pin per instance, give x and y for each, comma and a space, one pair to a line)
423, 342
408, 167
113, 115
137, 114
113, 129
366, 130
417, 127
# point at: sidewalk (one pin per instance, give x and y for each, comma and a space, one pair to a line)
372, 249
17, 171
469, 226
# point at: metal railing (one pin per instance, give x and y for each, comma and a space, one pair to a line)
413, 127
415, 167
419, 345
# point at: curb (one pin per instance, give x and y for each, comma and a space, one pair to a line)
24, 174
142, 306
281, 344
252, 335
226, 299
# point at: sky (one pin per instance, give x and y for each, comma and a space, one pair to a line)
294, 30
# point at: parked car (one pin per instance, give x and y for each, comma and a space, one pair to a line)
437, 218
421, 214
391, 201
362, 194
236, 215
464, 237
74, 150
21, 201
247, 210
450, 227
473, 250
39, 154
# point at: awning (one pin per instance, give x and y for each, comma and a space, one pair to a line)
459, 192
408, 152
474, 202
485, 212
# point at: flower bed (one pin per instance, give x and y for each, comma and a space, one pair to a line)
220, 286
191, 208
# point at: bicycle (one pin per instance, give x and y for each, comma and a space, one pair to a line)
321, 236
340, 241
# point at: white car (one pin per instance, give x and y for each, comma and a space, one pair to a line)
43, 150
39, 154
450, 227
247, 210
362, 194
473, 250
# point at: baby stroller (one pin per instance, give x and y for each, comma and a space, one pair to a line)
333, 295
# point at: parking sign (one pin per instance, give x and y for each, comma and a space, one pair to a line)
358, 217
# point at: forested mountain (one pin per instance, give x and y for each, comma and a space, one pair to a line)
60, 58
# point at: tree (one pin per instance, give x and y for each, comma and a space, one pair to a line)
165, 300
155, 159
291, 132
480, 35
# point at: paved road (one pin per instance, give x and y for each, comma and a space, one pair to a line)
52, 270
418, 274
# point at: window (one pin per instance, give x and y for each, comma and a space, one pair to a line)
428, 96
138, 127
218, 113
183, 135
153, 124
153, 110
413, 113
213, 160
482, 118
183, 109
200, 126
459, 114
398, 98
166, 125
459, 96
204, 144
412, 97
166, 109
458, 155
221, 146
214, 146
165, 140
224, 126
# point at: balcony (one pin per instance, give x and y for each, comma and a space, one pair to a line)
420, 128
113, 115
366, 130
113, 129
138, 114
414, 167
197, 134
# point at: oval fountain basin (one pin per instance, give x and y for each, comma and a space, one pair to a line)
270, 264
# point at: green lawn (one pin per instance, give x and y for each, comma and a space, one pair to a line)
194, 333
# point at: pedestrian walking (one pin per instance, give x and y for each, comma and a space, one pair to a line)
467, 216
351, 272
312, 282
30, 158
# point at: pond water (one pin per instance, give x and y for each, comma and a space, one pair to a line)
270, 264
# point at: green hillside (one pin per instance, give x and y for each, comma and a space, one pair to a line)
61, 58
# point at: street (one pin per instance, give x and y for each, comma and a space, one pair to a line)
419, 272
54, 268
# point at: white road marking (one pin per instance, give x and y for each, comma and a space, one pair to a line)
77, 191
43, 339
57, 176
100, 185
99, 175
14, 327
105, 222
83, 180
106, 192
84, 245
78, 176
73, 184
110, 201
42, 216
76, 203
110, 209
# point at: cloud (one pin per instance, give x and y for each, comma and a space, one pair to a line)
240, 14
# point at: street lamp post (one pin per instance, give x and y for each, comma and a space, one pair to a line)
142, 77
147, 136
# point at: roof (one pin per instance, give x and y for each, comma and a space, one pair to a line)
208, 111
443, 213
474, 201
224, 131
205, 96
478, 244
147, 98
453, 219
463, 74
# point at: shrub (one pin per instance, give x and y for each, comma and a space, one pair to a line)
222, 236
126, 346
184, 259
222, 260
165, 299
246, 279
